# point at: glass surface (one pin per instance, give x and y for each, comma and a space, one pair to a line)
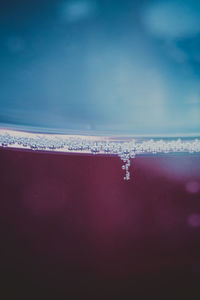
101, 67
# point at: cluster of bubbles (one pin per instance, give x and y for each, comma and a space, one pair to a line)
125, 149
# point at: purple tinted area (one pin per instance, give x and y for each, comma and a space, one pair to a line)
72, 227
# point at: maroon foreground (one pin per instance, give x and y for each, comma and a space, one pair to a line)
72, 228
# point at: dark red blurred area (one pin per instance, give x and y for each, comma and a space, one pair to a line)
72, 228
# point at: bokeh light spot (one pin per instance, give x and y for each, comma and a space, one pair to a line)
192, 187
75, 11
194, 220
173, 19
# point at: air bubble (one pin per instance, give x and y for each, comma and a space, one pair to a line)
96, 145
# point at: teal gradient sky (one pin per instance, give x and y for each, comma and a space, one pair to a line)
104, 66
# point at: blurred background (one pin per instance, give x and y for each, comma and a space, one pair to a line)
101, 66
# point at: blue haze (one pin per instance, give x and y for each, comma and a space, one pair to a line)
104, 66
